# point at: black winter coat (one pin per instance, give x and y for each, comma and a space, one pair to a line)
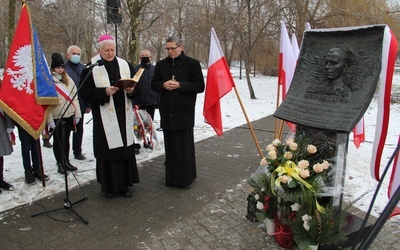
98, 97
144, 95
177, 107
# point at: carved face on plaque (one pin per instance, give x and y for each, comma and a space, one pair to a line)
335, 78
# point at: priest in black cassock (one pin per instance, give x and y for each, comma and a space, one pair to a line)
113, 135
179, 79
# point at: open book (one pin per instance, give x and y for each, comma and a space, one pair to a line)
130, 82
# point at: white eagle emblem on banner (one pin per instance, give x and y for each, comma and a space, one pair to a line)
22, 78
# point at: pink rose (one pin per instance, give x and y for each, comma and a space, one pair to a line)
293, 146
325, 164
270, 147
290, 140
311, 149
303, 164
272, 155
284, 178
263, 162
304, 173
318, 168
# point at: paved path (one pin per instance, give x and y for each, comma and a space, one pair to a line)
209, 215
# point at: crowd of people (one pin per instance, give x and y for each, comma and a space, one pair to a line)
171, 85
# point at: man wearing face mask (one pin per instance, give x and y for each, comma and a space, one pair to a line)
74, 68
145, 97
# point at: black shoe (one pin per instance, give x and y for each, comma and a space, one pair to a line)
38, 174
80, 157
109, 195
126, 193
46, 143
61, 168
70, 167
29, 178
6, 186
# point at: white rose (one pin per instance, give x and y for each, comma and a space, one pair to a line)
306, 226
295, 207
260, 205
276, 142
293, 146
257, 197
288, 155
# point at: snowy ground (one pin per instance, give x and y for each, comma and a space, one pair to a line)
358, 180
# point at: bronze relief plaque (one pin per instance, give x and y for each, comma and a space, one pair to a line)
335, 78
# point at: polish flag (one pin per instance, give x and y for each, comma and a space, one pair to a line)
295, 46
359, 133
389, 51
219, 83
287, 61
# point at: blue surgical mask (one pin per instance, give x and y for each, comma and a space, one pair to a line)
75, 59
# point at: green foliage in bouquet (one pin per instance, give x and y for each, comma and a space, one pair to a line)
266, 201
314, 227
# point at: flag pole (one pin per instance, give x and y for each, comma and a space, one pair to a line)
248, 123
277, 105
278, 122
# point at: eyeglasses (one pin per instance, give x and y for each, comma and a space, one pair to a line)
172, 48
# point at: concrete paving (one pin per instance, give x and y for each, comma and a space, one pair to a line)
209, 215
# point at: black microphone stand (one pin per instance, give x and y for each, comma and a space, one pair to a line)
67, 203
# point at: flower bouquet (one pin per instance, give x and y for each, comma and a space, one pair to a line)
298, 178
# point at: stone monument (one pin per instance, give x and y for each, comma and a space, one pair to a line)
334, 82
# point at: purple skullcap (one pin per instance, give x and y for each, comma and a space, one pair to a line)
105, 37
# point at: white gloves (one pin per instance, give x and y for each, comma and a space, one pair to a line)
51, 125
10, 130
77, 120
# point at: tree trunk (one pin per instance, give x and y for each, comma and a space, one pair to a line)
11, 23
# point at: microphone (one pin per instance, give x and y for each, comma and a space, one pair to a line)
98, 63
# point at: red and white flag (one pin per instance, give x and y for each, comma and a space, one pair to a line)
389, 51
287, 65
394, 182
219, 83
28, 88
287, 61
359, 133
295, 46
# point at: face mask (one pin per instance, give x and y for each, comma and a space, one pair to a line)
59, 77
144, 61
75, 59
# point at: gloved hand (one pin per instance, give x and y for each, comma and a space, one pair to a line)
77, 120
51, 125
10, 130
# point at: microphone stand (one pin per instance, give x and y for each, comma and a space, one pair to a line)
67, 203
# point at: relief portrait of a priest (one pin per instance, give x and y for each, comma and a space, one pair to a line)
335, 88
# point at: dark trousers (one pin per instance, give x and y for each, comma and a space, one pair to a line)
77, 137
150, 109
29, 150
61, 139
